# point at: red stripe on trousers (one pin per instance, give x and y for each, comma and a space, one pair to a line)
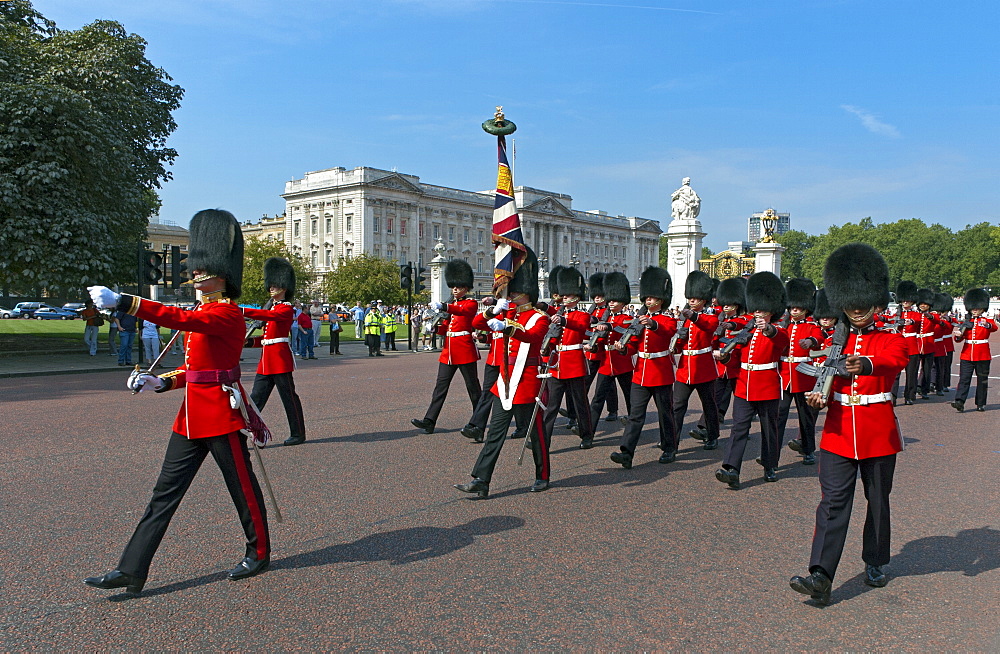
256, 516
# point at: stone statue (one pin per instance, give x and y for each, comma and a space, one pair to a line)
684, 202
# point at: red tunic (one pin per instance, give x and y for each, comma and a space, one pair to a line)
598, 314
910, 331
459, 343
925, 332
214, 341
696, 364
277, 355
731, 368
536, 324
615, 362
941, 332
863, 431
949, 343
479, 322
759, 379
654, 365
571, 362
977, 340
793, 380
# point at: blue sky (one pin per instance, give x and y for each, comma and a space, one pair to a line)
830, 110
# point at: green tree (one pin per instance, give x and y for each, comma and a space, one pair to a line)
362, 279
706, 252
255, 252
84, 119
796, 243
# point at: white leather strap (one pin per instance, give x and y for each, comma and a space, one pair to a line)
796, 359
652, 355
691, 353
272, 341
563, 348
458, 333
759, 366
861, 400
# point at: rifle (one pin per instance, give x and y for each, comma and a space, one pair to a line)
554, 333
257, 324
969, 323
741, 337
683, 332
832, 366
634, 327
436, 320
595, 335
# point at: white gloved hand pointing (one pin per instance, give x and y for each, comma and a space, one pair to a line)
143, 381
103, 297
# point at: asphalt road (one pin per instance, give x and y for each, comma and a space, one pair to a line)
378, 552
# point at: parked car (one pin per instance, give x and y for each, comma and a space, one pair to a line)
52, 313
6, 313
73, 306
26, 309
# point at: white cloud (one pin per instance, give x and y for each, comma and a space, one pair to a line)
871, 123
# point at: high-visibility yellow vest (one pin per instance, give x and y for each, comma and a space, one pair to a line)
373, 321
390, 322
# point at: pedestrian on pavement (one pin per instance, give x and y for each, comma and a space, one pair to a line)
335, 329
358, 316
150, 340
316, 313
94, 322
127, 324
113, 347
304, 323
373, 325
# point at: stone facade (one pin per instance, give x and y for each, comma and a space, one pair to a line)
335, 213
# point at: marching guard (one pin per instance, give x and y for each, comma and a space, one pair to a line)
617, 365
476, 428
803, 336
860, 433
974, 334
213, 418
596, 354
276, 360
908, 325
925, 340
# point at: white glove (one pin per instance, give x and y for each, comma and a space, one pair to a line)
103, 297
496, 324
502, 305
142, 381
438, 306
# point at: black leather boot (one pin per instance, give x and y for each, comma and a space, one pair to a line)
117, 579
817, 586
249, 567
425, 424
476, 486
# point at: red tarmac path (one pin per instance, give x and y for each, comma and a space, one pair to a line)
378, 552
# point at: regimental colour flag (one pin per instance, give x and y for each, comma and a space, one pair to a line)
508, 240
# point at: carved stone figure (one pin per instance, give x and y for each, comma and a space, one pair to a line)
684, 202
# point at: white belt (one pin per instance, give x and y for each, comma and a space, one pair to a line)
938, 340
497, 335
272, 341
759, 366
652, 355
796, 359
976, 342
691, 353
458, 333
924, 335
563, 348
861, 400
910, 335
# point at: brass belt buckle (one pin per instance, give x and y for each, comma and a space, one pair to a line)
855, 399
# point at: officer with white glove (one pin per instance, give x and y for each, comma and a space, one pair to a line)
496, 324
143, 381
103, 297
502, 305
438, 306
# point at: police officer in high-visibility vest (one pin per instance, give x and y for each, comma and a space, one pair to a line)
373, 329
390, 323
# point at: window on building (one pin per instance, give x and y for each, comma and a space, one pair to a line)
377, 251
390, 253
375, 225
624, 255
388, 225
329, 225
451, 233
479, 265
605, 250
349, 253
295, 231
349, 219
616, 251
465, 235
402, 227
480, 237
437, 232
314, 227
314, 257
329, 258
420, 231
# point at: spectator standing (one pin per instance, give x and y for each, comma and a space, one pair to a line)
94, 322
416, 322
358, 316
150, 340
294, 334
316, 313
127, 324
335, 330
112, 333
305, 328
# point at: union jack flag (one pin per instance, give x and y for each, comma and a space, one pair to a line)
508, 240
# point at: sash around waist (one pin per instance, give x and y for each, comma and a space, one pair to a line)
213, 376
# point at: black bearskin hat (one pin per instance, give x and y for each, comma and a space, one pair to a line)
458, 272
278, 272
801, 292
216, 247
856, 277
655, 282
554, 280
699, 285
765, 292
732, 291
616, 288
823, 309
925, 296
943, 302
570, 282
977, 298
525, 280
906, 292
596, 285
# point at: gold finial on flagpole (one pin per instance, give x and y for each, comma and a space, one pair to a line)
499, 125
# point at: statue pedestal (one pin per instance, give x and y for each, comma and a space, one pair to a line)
439, 291
683, 251
767, 256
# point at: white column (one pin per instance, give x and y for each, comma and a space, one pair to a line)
767, 256
439, 291
683, 251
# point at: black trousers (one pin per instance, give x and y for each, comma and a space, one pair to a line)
390, 340
910, 389
707, 395
743, 413
575, 390
180, 464
926, 362
374, 343
481, 415
807, 420
941, 370
262, 386
724, 389
640, 396
539, 443
593, 365
605, 390
446, 371
334, 342
965, 370
838, 477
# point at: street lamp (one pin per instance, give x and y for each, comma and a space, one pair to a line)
574, 261
542, 260
769, 221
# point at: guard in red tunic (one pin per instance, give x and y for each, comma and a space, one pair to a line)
211, 419
942, 335
974, 334
617, 365
596, 353
654, 370
949, 343
696, 369
925, 325
492, 308
860, 433
276, 360
460, 353
758, 390
515, 397
803, 336
567, 363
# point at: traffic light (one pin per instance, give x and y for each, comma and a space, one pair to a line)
405, 276
152, 271
420, 284
178, 267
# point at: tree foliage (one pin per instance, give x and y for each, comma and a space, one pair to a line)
84, 119
255, 252
363, 279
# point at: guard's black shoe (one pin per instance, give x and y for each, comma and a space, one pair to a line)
294, 440
668, 457
923, 396
539, 486
699, 434
711, 444
517, 435
770, 474
795, 445
474, 433
379, 354
586, 443
817, 586
611, 417
980, 408
809, 459
426, 424
477, 487
958, 406
249, 567
874, 577
941, 393
729, 476
117, 579
908, 402
622, 458
563, 412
